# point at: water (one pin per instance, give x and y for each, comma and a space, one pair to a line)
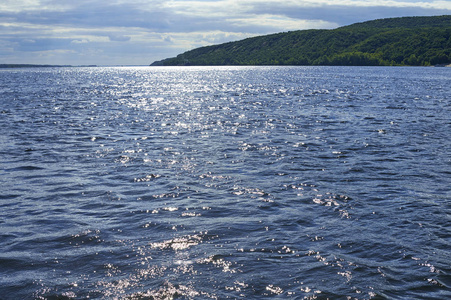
225, 182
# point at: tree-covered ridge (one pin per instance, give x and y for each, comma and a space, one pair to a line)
417, 41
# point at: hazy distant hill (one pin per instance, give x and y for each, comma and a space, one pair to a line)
418, 41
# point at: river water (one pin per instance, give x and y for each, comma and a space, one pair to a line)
225, 183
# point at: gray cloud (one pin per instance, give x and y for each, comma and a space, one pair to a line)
40, 44
118, 38
346, 15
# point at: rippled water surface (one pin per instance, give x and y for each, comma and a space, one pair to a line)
216, 183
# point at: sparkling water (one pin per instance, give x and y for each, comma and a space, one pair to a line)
225, 182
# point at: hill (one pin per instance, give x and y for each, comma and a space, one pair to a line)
415, 41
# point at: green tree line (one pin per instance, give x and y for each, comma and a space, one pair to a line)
413, 41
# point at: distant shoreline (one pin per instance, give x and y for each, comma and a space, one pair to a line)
20, 66
11, 66
15, 66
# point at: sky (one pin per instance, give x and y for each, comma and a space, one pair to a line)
139, 32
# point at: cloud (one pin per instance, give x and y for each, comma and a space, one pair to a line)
347, 14
141, 31
83, 41
118, 38
42, 44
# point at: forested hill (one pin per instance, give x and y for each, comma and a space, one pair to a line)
416, 41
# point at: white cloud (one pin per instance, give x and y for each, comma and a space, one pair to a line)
18, 5
83, 41
281, 23
32, 5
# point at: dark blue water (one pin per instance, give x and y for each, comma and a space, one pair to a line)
216, 183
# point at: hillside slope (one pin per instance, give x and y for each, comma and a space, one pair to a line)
417, 41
